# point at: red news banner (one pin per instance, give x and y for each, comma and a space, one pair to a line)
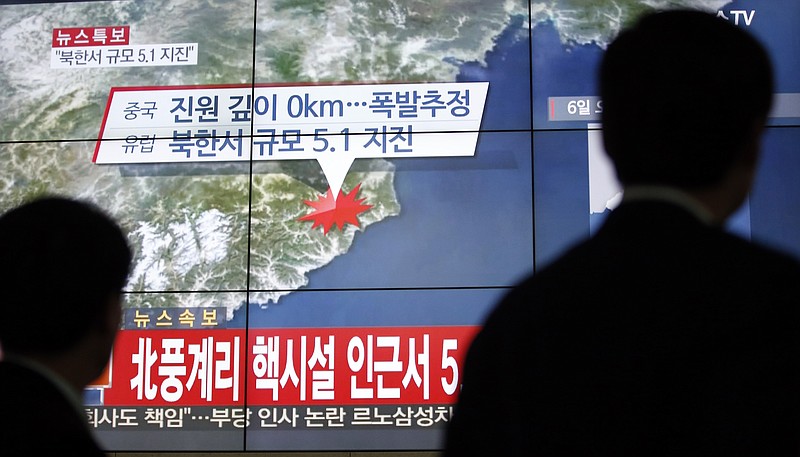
91, 36
306, 366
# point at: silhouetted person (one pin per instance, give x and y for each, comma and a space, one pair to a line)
63, 265
662, 334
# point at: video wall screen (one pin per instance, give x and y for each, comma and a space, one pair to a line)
325, 199
567, 45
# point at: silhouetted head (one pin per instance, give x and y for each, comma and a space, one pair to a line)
61, 262
683, 93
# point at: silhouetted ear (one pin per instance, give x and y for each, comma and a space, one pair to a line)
113, 316
609, 147
102, 341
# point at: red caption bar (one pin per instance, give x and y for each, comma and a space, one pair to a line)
74, 37
318, 366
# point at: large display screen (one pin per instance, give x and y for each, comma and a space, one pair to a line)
326, 198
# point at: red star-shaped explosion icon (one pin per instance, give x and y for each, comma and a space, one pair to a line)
329, 212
